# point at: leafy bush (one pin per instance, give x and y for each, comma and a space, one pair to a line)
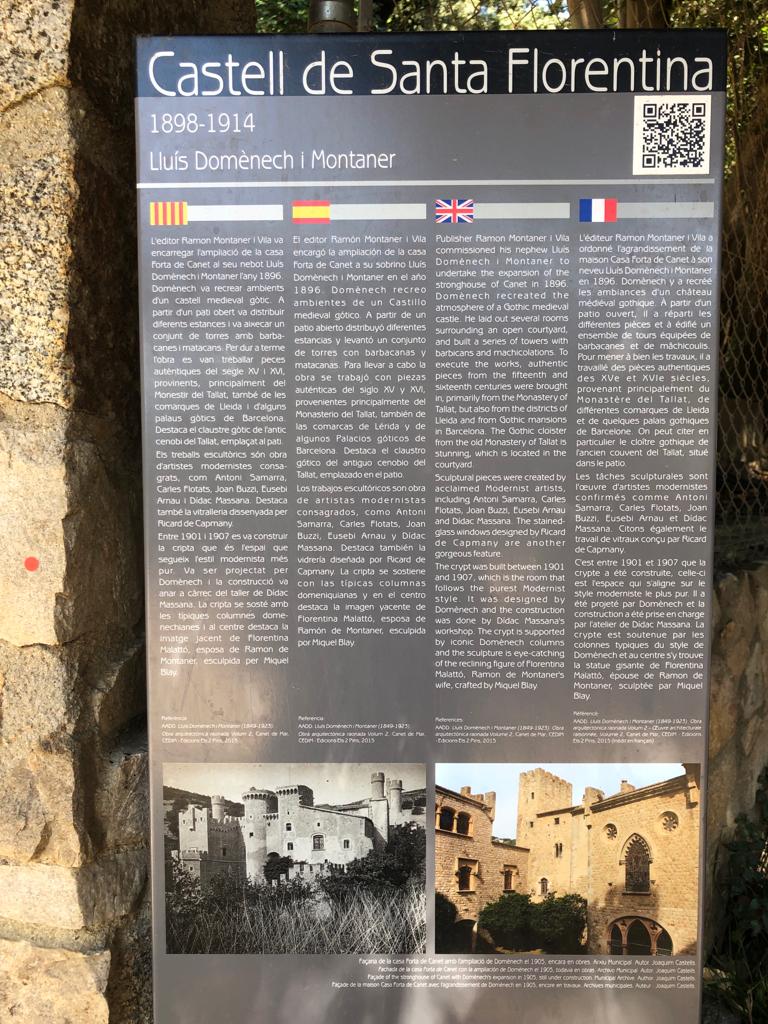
400, 863
509, 921
556, 925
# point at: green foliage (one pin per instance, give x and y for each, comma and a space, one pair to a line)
740, 978
509, 921
402, 861
556, 925
281, 16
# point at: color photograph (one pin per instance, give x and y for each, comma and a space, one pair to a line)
567, 858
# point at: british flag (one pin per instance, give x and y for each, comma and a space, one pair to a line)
454, 211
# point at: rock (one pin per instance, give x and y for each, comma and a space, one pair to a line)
37, 819
723, 706
121, 800
37, 197
55, 986
33, 504
43, 715
34, 46
90, 897
753, 687
129, 992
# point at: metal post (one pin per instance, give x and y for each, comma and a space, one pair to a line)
332, 16
364, 15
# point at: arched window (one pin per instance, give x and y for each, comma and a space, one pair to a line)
447, 815
638, 939
465, 873
558, 849
638, 936
543, 887
463, 823
637, 864
318, 842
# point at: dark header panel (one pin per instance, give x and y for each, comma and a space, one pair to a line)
461, 63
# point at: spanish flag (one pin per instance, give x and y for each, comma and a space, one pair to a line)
311, 211
168, 214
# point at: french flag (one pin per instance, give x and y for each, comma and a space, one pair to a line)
597, 211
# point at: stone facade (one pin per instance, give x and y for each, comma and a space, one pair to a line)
633, 856
471, 867
287, 823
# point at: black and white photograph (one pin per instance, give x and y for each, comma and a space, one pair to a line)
295, 858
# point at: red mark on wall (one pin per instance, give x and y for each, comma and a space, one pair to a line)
32, 564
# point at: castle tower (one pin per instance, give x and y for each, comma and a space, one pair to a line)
539, 791
378, 811
254, 828
489, 799
218, 808
592, 795
395, 797
291, 797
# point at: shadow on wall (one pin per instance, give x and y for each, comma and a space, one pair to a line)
102, 606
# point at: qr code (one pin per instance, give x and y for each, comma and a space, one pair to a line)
671, 135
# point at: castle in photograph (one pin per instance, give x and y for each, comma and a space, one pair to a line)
214, 836
633, 855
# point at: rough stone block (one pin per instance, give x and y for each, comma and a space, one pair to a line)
129, 992
33, 504
54, 986
734, 595
38, 696
34, 46
122, 807
734, 647
753, 687
103, 591
723, 706
38, 811
37, 197
91, 897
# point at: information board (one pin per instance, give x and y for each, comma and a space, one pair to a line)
429, 341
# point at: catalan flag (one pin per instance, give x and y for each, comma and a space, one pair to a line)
597, 211
168, 214
311, 211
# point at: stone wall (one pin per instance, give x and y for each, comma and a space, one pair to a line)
74, 935
489, 858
